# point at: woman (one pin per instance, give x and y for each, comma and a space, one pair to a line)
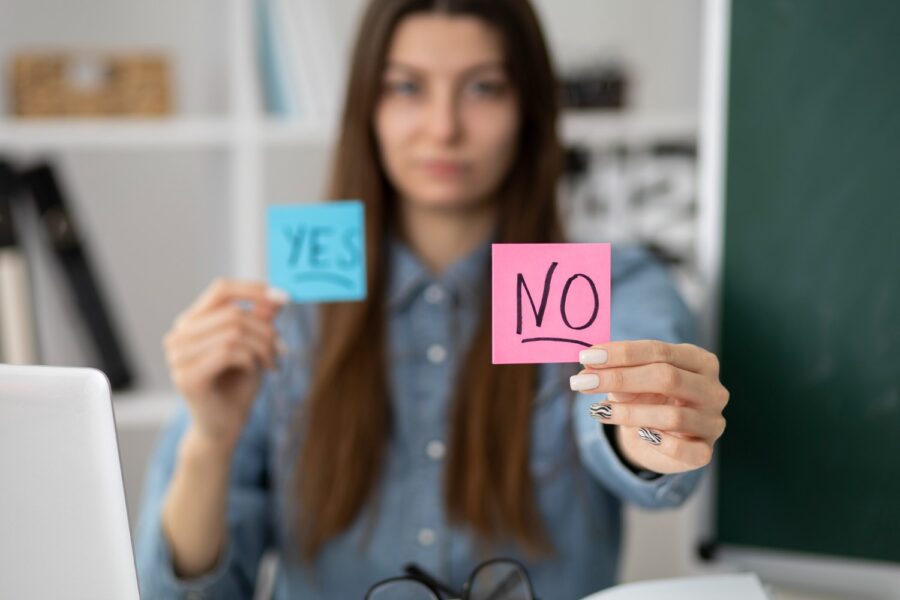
380, 433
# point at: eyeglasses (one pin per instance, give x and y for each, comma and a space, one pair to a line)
497, 579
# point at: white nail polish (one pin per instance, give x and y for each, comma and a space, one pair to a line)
587, 381
593, 356
278, 296
281, 347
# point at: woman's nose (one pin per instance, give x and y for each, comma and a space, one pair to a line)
443, 119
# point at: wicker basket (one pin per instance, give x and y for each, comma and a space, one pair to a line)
90, 84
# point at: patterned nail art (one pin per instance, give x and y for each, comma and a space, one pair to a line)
604, 411
651, 436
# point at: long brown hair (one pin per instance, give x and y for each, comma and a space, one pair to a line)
346, 421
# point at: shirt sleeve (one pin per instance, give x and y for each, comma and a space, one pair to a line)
645, 305
249, 528
251, 505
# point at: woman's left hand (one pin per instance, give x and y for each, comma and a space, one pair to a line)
666, 399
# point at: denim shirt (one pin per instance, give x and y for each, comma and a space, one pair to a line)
580, 481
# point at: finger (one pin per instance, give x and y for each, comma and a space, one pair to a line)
648, 398
227, 325
222, 291
259, 340
643, 352
263, 349
668, 418
641, 398
226, 318
209, 366
203, 324
692, 452
658, 378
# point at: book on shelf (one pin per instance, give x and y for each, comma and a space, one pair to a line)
300, 62
18, 340
279, 90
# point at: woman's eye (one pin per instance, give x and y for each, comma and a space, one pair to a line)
402, 88
487, 88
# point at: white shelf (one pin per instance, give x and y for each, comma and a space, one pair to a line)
124, 133
629, 128
54, 134
144, 409
297, 132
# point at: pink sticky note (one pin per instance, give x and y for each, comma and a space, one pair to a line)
549, 301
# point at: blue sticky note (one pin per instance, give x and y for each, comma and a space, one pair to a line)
316, 252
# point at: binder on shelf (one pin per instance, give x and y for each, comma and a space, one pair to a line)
295, 49
54, 214
299, 59
18, 339
310, 22
280, 94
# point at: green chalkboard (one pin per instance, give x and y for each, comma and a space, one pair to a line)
810, 319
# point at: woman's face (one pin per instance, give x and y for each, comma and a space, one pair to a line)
447, 121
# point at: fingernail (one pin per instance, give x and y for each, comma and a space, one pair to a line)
593, 356
281, 347
650, 436
587, 381
603, 411
278, 296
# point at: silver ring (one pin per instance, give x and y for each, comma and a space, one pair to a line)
651, 436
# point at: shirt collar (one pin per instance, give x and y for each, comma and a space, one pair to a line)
466, 279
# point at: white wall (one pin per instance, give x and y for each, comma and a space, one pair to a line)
658, 40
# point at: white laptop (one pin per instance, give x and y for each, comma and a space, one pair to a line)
63, 524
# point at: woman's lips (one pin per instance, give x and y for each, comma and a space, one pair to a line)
443, 168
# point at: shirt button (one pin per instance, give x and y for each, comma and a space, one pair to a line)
434, 294
426, 536
435, 450
436, 354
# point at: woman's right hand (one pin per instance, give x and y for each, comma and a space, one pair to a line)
216, 351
